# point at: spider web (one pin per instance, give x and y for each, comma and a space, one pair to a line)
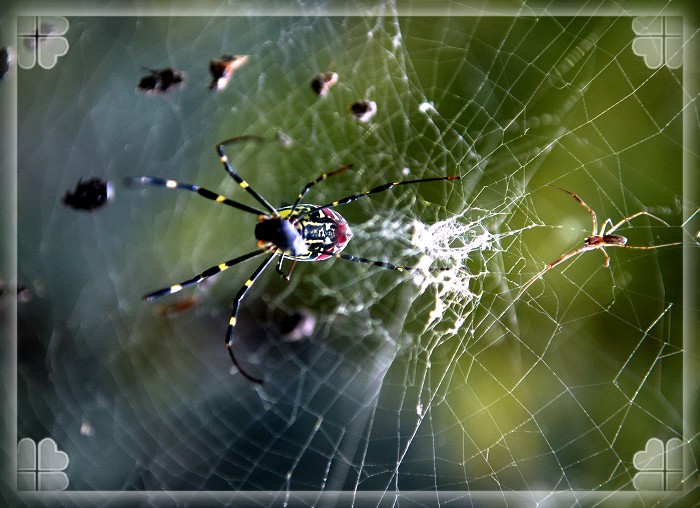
441, 384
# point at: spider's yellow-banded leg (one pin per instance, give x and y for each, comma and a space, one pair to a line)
321, 178
382, 188
244, 185
206, 193
209, 272
234, 316
385, 264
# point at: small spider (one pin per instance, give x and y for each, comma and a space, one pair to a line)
300, 232
598, 239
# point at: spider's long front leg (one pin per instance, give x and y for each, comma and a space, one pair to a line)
648, 247
554, 263
243, 184
594, 217
385, 187
321, 178
205, 193
627, 219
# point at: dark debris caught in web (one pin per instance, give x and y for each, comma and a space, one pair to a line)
161, 80
89, 194
363, 110
222, 70
322, 83
7, 57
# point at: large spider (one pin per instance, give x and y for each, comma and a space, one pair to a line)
301, 232
598, 239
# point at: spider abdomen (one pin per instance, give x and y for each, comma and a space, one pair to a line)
324, 231
612, 239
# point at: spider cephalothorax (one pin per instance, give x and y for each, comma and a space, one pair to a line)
281, 234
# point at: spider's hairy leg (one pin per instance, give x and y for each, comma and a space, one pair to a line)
234, 315
209, 272
243, 184
205, 193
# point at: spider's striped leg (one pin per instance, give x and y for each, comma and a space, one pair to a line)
321, 178
244, 185
234, 314
594, 218
386, 264
385, 187
206, 193
209, 272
